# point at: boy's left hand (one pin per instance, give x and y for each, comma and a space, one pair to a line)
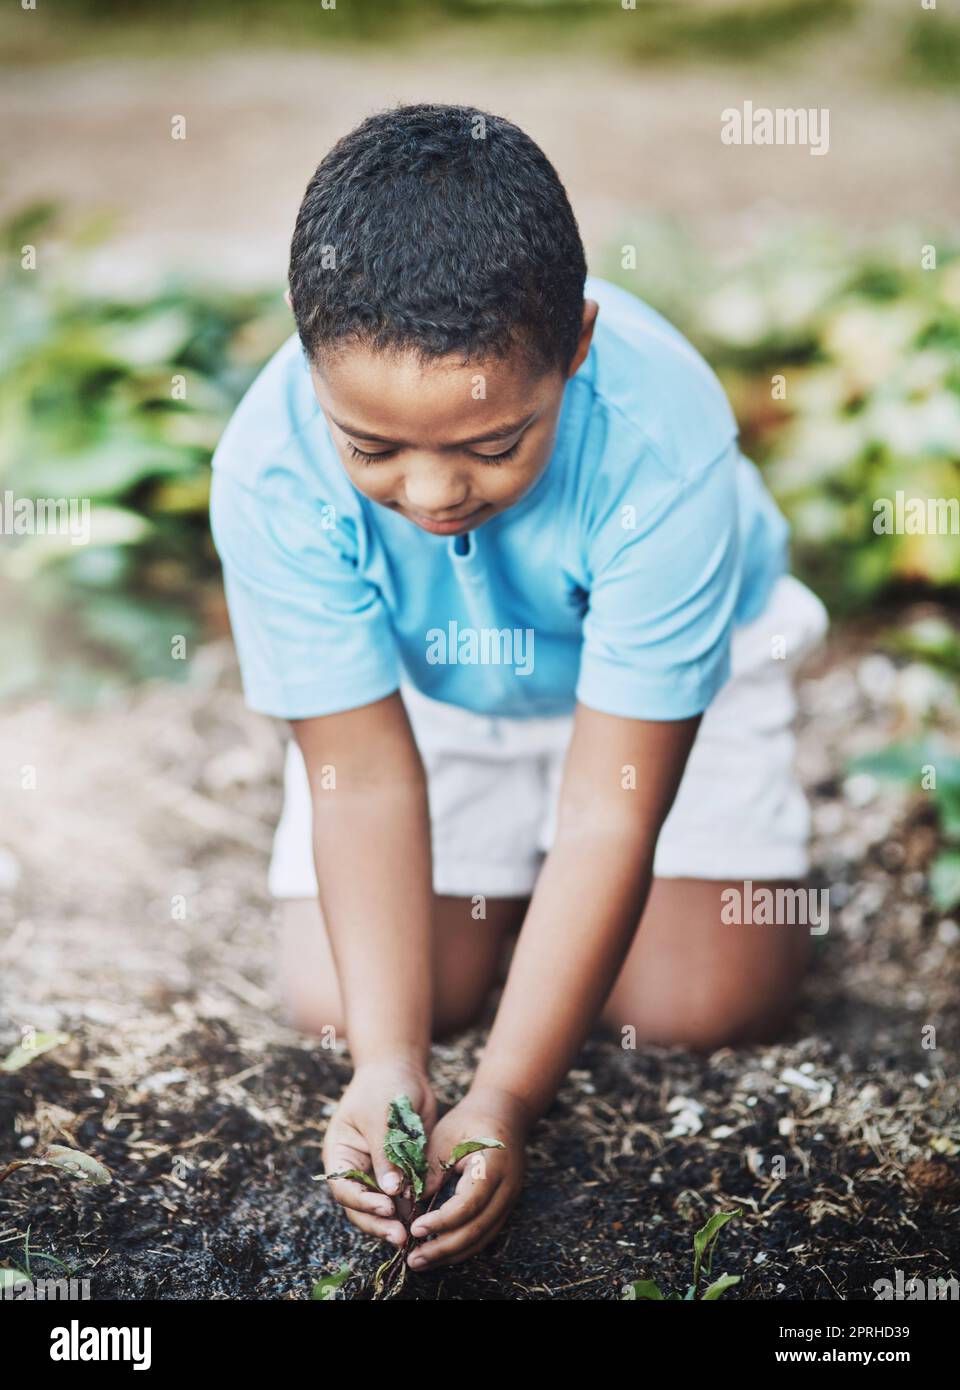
489, 1181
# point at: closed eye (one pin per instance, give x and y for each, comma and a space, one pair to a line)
370, 458
364, 457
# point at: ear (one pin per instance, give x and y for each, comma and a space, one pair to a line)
286, 295
590, 310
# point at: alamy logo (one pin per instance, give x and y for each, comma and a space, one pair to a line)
777, 907
913, 1289
780, 125
21, 1288
45, 516
916, 516
484, 646
76, 1343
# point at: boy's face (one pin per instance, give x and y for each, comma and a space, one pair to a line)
445, 445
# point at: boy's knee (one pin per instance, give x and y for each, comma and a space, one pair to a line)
310, 1017
737, 1021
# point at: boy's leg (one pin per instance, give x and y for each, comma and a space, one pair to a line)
466, 958
690, 978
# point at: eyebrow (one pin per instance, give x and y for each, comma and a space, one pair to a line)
502, 432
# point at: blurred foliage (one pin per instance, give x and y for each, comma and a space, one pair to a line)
121, 398
91, 408
864, 348
882, 37
929, 766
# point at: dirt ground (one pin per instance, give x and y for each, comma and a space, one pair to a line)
183, 1079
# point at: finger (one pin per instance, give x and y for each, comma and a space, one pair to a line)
437, 1177
389, 1177
353, 1196
476, 1246
351, 1192
472, 1194
392, 1231
459, 1245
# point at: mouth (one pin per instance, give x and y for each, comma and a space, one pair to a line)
447, 526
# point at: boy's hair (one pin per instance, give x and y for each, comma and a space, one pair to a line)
439, 229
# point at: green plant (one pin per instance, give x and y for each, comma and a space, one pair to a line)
73, 1161
12, 1274
325, 1289
405, 1146
704, 1245
927, 766
113, 404
34, 1045
841, 364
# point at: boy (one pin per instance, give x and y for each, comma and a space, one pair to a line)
488, 538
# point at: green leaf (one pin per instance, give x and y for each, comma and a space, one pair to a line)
644, 1289
948, 804
901, 762
406, 1142
704, 1242
470, 1146
325, 1289
354, 1173
22, 1055
719, 1287
690, 1294
73, 1161
107, 469
945, 879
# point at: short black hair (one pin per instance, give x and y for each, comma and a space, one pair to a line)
441, 229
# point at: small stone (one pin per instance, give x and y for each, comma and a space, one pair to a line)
9, 871
877, 677
860, 789
948, 933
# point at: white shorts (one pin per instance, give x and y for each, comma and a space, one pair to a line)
494, 782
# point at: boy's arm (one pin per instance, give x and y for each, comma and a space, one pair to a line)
582, 918
371, 835
371, 838
588, 900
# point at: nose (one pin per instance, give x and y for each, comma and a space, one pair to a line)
435, 489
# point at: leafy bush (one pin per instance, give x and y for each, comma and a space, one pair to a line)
843, 370
930, 767
119, 402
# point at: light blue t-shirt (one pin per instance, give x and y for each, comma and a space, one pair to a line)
616, 580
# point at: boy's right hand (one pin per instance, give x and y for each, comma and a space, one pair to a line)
355, 1136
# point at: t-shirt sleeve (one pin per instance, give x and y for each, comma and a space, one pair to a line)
665, 565
313, 636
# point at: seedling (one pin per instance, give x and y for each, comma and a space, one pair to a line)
26, 1052
12, 1275
704, 1245
405, 1146
73, 1161
326, 1289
